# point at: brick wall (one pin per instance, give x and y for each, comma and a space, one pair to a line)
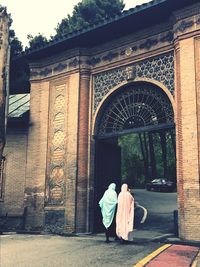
36, 156
83, 136
15, 165
187, 141
71, 155
44, 212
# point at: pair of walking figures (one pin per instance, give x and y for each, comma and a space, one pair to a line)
124, 207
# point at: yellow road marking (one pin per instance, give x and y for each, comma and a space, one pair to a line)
151, 256
197, 258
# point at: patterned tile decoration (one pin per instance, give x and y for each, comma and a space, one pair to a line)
159, 68
55, 194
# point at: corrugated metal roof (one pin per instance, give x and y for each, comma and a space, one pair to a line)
18, 105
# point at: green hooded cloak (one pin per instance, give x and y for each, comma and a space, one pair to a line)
108, 205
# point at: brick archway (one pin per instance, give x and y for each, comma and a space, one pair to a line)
147, 94
134, 107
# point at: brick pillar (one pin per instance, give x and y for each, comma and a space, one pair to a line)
179, 152
36, 156
82, 177
71, 155
187, 140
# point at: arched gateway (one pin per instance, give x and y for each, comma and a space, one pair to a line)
135, 107
135, 72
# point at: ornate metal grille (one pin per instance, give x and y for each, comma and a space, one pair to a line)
158, 68
135, 106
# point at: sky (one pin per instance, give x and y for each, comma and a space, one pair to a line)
42, 16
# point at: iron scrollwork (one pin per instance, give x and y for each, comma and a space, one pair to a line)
135, 106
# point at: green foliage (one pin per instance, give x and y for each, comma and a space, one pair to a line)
15, 45
132, 168
132, 164
171, 161
37, 41
87, 13
19, 72
19, 77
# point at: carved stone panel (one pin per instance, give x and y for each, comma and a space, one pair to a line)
55, 184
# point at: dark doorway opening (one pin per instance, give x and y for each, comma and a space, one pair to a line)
108, 170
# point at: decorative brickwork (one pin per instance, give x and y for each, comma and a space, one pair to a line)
159, 68
55, 183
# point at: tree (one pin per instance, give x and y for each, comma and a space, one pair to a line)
145, 154
15, 45
87, 13
148, 155
163, 143
19, 71
37, 41
152, 155
132, 169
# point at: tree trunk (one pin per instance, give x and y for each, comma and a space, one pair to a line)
152, 156
173, 141
147, 155
164, 152
144, 151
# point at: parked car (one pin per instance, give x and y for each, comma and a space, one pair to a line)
161, 185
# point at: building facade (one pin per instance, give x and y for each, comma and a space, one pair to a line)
88, 87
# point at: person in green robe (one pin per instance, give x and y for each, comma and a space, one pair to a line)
108, 206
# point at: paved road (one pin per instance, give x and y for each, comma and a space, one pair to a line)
160, 208
91, 251
53, 251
